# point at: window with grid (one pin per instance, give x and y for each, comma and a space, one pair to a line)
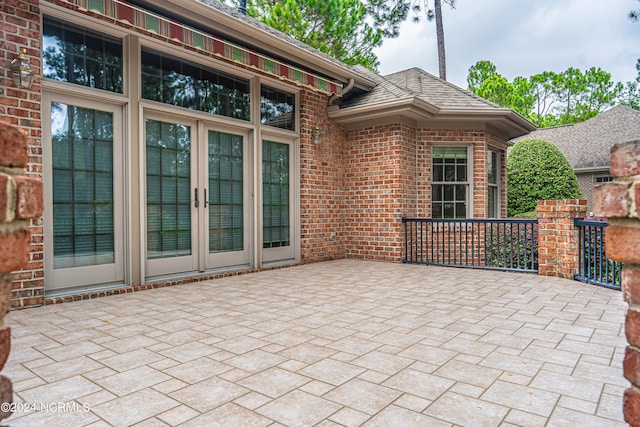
226, 192
83, 216
275, 194
601, 179
177, 82
168, 189
78, 56
449, 183
493, 180
277, 108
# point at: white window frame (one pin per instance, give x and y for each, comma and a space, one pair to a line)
497, 185
468, 183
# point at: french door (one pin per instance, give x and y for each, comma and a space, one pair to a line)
83, 181
197, 196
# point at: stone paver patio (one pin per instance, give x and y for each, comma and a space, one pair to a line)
341, 343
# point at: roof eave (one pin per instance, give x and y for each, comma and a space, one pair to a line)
510, 123
412, 108
259, 39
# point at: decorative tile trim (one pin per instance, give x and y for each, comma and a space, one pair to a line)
148, 21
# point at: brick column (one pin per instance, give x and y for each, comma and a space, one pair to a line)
20, 200
558, 237
619, 201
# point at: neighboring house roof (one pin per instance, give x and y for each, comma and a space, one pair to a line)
587, 145
421, 96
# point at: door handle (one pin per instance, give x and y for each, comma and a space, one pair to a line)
195, 193
206, 201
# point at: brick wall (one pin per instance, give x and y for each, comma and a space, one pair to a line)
20, 28
620, 202
20, 200
558, 237
322, 171
379, 190
389, 176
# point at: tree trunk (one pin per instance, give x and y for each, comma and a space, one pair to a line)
442, 61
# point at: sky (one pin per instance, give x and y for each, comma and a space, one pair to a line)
521, 38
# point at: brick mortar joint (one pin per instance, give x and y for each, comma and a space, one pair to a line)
624, 222
11, 227
13, 171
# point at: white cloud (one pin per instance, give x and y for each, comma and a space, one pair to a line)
522, 38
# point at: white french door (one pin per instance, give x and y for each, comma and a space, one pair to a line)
197, 196
171, 195
83, 181
227, 198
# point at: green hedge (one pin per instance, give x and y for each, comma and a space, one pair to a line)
537, 170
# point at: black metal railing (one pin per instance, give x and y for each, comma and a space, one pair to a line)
498, 244
593, 265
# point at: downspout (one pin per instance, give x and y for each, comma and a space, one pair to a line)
242, 7
334, 97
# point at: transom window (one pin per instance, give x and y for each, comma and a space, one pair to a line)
76, 55
277, 108
184, 84
449, 187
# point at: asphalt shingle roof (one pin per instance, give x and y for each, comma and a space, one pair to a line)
588, 144
248, 20
417, 83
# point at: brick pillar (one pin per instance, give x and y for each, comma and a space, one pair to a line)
20, 200
558, 237
619, 201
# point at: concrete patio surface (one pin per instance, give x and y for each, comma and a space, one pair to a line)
341, 343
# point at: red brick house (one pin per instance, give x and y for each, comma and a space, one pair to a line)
181, 140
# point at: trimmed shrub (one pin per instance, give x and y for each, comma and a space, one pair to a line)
537, 170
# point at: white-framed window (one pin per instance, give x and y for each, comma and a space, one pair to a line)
604, 178
450, 182
493, 183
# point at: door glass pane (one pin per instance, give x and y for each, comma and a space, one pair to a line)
168, 189
82, 175
226, 191
275, 194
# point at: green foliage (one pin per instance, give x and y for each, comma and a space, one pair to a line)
537, 170
634, 15
551, 99
339, 28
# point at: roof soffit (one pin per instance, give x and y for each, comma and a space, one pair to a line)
506, 121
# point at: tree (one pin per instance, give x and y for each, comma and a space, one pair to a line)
339, 28
630, 93
478, 73
551, 99
388, 14
537, 170
634, 15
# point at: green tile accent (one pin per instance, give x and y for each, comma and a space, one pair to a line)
152, 23
160, 24
269, 66
237, 54
198, 40
96, 5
